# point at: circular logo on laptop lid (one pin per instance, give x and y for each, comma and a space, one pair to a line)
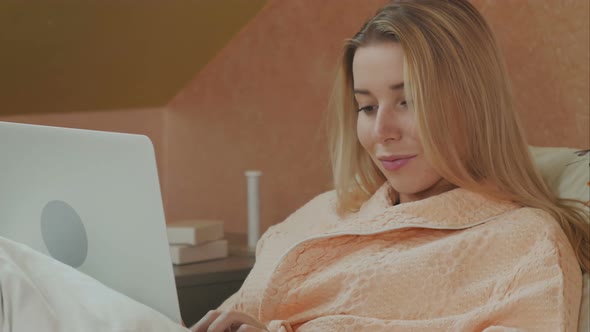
64, 233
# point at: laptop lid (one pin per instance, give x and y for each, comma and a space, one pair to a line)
91, 200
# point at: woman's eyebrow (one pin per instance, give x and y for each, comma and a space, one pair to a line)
361, 92
394, 87
398, 86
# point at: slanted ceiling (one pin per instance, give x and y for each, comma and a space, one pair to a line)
71, 55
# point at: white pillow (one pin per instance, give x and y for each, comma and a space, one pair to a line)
38, 293
566, 171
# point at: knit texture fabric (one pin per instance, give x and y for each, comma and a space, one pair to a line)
453, 262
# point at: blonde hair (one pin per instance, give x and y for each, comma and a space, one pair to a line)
456, 82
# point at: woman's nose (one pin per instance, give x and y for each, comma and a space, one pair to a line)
386, 124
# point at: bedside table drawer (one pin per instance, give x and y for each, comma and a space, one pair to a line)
196, 301
204, 286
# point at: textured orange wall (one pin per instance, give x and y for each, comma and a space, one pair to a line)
260, 103
546, 45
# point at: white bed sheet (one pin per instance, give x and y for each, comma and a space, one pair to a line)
38, 293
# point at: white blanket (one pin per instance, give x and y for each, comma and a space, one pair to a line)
38, 293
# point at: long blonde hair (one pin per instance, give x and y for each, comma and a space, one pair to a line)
457, 84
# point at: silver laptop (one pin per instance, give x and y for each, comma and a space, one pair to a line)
91, 200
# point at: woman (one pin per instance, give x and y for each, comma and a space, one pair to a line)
439, 220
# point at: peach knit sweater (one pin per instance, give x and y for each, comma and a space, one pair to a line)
453, 262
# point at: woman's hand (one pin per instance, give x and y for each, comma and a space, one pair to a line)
228, 321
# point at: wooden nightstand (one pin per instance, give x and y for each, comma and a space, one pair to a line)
204, 286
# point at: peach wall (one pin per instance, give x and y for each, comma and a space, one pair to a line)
546, 45
260, 103
149, 122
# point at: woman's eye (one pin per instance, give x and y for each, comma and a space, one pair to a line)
404, 104
367, 109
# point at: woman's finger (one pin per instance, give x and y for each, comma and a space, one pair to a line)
227, 321
204, 323
250, 328
233, 320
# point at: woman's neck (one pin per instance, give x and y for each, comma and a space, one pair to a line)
437, 189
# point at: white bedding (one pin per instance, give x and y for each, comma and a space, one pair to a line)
38, 293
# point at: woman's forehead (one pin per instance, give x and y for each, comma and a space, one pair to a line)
378, 65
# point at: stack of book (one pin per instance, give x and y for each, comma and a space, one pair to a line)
196, 240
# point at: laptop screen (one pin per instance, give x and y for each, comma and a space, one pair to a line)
91, 200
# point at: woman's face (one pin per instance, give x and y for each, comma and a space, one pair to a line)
386, 128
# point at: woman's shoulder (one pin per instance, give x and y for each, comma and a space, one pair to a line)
529, 217
320, 207
532, 224
310, 218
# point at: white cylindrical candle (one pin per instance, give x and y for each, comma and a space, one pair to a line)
253, 178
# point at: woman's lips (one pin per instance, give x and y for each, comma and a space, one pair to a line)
394, 164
